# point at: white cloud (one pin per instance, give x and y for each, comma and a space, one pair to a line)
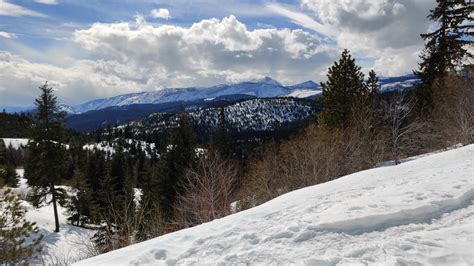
387, 30
9, 9
160, 13
302, 19
209, 51
7, 35
133, 57
47, 2
84, 79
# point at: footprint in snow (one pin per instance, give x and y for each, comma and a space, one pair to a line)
159, 254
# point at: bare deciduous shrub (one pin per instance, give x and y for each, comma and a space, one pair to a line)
207, 191
404, 130
453, 114
319, 155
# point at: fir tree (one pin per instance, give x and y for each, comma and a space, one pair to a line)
220, 139
44, 168
445, 47
8, 175
180, 154
19, 239
80, 205
345, 86
372, 84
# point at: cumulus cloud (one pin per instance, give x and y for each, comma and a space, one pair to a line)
9, 9
209, 51
387, 30
160, 13
132, 57
7, 35
84, 79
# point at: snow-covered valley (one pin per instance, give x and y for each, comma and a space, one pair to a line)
418, 212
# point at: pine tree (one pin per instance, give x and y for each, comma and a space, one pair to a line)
19, 239
149, 204
116, 204
220, 139
372, 83
44, 168
80, 205
445, 47
8, 175
180, 155
341, 92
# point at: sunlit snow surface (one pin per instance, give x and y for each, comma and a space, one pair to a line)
420, 211
69, 245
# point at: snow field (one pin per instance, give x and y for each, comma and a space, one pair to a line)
418, 212
69, 245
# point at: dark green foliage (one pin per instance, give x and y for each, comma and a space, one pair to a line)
15, 231
343, 89
80, 205
149, 204
15, 125
8, 175
45, 166
445, 47
179, 155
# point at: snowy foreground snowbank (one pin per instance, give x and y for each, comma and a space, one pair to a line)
420, 211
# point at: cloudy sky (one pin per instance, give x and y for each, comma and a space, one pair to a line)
99, 48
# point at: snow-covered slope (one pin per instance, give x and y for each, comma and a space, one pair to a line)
69, 245
418, 212
251, 115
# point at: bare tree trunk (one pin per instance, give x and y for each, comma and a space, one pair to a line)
55, 208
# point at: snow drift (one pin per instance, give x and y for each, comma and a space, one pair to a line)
418, 212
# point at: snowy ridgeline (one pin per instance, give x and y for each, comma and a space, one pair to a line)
420, 211
250, 115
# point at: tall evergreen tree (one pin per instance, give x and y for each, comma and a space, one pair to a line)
344, 87
44, 168
179, 155
445, 47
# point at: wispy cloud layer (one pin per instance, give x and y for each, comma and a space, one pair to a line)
9, 9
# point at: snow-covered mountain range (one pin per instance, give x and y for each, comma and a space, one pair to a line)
263, 88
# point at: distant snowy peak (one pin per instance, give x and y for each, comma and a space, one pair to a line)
261, 88
66, 108
267, 80
305, 85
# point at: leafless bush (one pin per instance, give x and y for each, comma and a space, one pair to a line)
453, 115
404, 129
207, 190
120, 222
319, 155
